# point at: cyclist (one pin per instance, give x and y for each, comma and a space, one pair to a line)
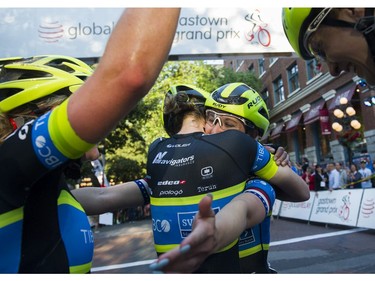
343, 38
175, 197
42, 227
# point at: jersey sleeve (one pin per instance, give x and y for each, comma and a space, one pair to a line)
54, 140
264, 191
264, 164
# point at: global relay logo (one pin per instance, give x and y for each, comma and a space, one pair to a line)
51, 31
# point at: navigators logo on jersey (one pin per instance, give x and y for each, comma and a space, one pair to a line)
172, 162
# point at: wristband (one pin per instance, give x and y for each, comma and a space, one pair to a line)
143, 187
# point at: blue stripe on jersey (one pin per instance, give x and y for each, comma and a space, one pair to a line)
43, 145
10, 247
171, 224
77, 235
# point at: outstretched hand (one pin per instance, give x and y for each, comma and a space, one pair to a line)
196, 247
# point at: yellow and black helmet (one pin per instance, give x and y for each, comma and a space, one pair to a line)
22, 83
243, 101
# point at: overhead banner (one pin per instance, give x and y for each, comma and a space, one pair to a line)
206, 33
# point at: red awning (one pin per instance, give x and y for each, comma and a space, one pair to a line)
277, 130
346, 92
313, 114
293, 123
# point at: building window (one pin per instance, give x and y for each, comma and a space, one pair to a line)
293, 78
313, 69
278, 87
273, 60
251, 68
265, 96
261, 66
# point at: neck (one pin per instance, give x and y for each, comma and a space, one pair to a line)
192, 125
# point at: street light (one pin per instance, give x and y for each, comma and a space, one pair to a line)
346, 125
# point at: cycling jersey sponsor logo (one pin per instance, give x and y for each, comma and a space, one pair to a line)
261, 159
178, 145
161, 225
170, 182
246, 237
171, 193
207, 172
206, 188
172, 162
186, 219
23, 132
45, 150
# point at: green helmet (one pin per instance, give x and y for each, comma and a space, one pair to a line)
242, 101
296, 24
22, 83
69, 64
198, 94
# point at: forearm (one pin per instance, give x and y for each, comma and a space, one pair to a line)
294, 188
243, 212
97, 201
134, 55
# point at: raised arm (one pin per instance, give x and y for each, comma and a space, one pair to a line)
135, 53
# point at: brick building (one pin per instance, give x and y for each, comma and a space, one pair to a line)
301, 97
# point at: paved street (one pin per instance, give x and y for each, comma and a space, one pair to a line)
297, 247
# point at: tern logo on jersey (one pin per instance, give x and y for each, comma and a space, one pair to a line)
170, 192
168, 182
172, 162
178, 145
206, 188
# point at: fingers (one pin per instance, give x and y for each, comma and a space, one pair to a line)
204, 206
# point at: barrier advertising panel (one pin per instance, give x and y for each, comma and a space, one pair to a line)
297, 210
276, 207
337, 207
366, 216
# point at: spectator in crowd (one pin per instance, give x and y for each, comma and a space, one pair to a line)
373, 171
366, 175
354, 177
320, 178
305, 164
343, 174
333, 177
308, 177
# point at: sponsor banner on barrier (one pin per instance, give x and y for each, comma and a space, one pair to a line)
297, 210
276, 207
366, 216
337, 207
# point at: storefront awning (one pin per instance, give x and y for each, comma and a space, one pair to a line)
277, 130
293, 123
313, 114
346, 92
